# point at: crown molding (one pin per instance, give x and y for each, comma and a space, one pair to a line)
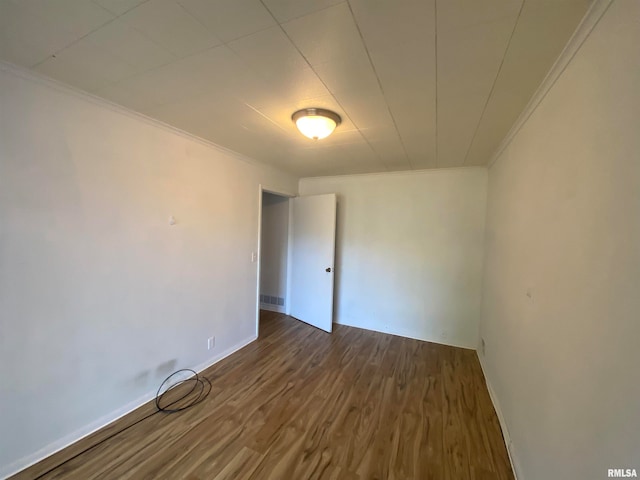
36, 77
595, 13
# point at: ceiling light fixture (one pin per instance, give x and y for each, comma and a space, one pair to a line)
316, 123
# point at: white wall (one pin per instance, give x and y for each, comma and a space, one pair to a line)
274, 248
561, 304
409, 252
101, 298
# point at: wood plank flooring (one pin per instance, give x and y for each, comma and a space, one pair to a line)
302, 404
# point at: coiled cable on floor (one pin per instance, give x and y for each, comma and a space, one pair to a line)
200, 389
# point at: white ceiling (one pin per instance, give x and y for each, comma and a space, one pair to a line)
418, 83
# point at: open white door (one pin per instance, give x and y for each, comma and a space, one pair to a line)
313, 240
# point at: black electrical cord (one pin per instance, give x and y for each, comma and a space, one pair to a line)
198, 381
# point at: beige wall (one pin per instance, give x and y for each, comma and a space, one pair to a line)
409, 251
561, 305
100, 297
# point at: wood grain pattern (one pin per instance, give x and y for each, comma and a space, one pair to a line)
302, 404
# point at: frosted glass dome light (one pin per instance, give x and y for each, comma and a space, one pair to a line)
316, 123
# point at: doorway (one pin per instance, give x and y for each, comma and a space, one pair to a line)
274, 252
296, 249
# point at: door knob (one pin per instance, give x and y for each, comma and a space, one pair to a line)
328, 270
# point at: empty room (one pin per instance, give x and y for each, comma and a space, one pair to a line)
319, 239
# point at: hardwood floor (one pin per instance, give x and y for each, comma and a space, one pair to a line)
302, 404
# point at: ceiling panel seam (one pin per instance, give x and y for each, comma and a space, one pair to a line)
123, 13
375, 72
115, 17
493, 85
268, 119
53, 55
188, 13
322, 9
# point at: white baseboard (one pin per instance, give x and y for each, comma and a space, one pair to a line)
67, 440
503, 424
407, 334
272, 308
